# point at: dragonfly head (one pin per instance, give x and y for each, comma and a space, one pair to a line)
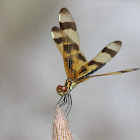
61, 90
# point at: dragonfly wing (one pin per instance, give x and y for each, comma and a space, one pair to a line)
99, 61
58, 35
67, 24
67, 41
73, 58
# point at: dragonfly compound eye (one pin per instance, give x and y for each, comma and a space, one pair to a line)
64, 89
59, 87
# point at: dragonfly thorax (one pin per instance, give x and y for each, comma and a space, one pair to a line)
70, 84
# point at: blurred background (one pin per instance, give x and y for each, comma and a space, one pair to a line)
104, 108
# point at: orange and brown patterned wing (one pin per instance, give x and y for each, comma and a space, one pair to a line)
73, 58
67, 24
67, 41
58, 35
99, 61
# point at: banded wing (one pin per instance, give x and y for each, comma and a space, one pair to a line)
67, 41
99, 61
67, 24
73, 58
58, 35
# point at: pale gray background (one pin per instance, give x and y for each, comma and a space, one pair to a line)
104, 108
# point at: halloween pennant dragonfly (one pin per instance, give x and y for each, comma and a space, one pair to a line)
76, 66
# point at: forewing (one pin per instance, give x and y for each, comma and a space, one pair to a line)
100, 60
58, 36
67, 41
73, 57
67, 24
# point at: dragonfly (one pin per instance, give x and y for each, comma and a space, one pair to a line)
76, 66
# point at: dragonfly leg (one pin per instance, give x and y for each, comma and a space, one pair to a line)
64, 101
61, 100
69, 105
